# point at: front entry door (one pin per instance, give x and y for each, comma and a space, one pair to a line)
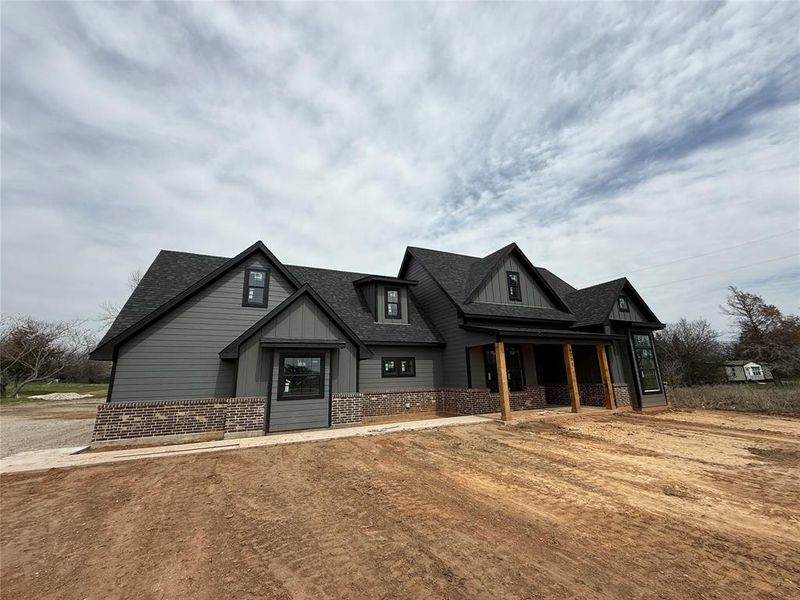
516, 378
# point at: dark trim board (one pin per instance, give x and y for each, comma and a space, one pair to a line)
231, 351
301, 343
269, 391
385, 279
101, 352
114, 372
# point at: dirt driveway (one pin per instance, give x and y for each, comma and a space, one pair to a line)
680, 505
42, 424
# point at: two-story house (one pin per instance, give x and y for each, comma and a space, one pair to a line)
246, 345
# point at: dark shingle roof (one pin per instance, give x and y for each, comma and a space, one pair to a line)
173, 272
593, 304
337, 289
457, 273
170, 274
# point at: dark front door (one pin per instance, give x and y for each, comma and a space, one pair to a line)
516, 377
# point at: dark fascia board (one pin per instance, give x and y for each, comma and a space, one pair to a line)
384, 279
550, 334
371, 343
304, 343
404, 265
525, 320
639, 324
512, 248
231, 351
632, 291
106, 350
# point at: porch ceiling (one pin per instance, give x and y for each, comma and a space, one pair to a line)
535, 333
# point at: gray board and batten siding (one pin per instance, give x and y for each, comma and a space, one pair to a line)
307, 413
177, 356
634, 314
495, 291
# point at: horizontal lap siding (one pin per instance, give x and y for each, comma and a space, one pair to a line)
428, 369
177, 357
442, 313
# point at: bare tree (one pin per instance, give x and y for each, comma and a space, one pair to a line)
765, 333
690, 353
109, 310
33, 351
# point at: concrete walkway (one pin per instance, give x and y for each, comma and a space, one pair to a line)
61, 458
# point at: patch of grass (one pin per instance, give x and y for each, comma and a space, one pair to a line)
769, 398
98, 390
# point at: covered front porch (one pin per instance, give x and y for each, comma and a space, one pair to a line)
532, 369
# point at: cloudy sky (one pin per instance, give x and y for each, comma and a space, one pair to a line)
660, 142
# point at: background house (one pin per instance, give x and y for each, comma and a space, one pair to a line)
747, 370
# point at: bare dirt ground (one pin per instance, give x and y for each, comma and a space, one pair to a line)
677, 505
42, 424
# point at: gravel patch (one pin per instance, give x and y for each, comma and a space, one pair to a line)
43, 425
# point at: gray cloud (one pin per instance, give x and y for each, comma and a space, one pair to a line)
602, 138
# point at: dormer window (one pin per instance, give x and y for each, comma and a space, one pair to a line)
514, 293
622, 302
255, 288
391, 297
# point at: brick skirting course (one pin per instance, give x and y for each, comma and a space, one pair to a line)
130, 420
346, 409
622, 394
591, 394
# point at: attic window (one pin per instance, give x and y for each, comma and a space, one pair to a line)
514, 293
255, 287
622, 302
391, 303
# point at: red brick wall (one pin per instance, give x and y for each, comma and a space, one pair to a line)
130, 420
346, 408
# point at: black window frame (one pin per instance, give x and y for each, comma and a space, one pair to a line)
315, 396
623, 298
638, 374
397, 372
247, 286
386, 303
517, 287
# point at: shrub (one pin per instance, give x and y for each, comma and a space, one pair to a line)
768, 398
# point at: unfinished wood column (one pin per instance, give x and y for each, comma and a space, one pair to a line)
502, 381
605, 375
572, 379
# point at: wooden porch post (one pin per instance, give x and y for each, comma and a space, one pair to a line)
572, 379
502, 381
605, 375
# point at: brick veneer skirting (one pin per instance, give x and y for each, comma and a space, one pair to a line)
622, 394
591, 394
129, 420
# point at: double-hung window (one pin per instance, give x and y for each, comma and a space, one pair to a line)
514, 292
255, 287
646, 362
398, 367
301, 376
391, 303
